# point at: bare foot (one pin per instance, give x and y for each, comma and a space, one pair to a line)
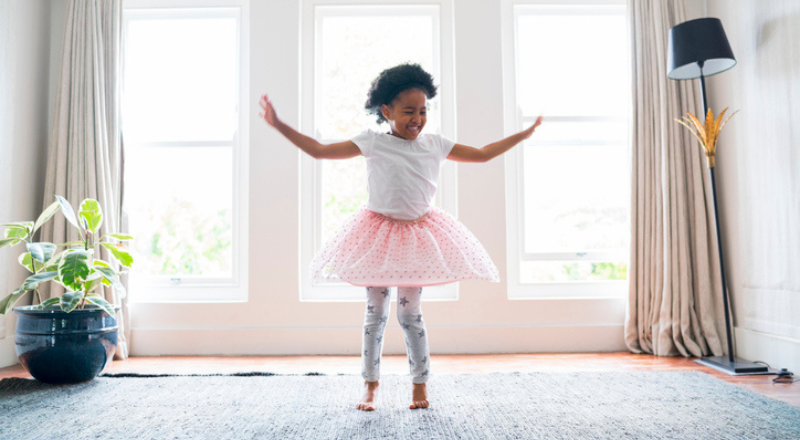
367, 402
420, 396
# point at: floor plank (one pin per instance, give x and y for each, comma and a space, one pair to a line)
441, 364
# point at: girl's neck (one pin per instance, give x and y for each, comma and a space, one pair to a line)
398, 136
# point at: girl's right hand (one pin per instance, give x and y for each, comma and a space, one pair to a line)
268, 114
532, 128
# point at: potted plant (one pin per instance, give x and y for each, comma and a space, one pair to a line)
71, 338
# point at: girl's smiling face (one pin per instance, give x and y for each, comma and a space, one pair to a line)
407, 113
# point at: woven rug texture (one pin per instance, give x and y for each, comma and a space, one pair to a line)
529, 406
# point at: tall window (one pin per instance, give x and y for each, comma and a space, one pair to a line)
346, 47
568, 186
185, 179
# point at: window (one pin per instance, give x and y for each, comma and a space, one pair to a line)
185, 73
568, 185
346, 47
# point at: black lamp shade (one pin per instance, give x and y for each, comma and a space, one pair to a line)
698, 47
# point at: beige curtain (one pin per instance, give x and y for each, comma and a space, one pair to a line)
85, 156
675, 300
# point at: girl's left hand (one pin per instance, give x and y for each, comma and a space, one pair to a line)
532, 128
268, 111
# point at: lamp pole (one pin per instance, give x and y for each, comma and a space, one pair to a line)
728, 325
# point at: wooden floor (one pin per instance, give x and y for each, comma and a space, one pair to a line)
441, 364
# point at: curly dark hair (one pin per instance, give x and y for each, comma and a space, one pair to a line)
394, 80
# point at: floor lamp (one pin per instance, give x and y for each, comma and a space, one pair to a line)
697, 49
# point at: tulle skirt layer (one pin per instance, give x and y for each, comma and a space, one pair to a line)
371, 249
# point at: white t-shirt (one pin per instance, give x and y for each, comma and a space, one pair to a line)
402, 175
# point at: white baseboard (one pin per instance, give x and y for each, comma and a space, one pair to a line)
778, 351
8, 354
347, 340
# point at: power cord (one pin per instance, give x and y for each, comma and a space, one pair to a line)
784, 376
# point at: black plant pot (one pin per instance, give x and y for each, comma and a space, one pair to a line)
62, 348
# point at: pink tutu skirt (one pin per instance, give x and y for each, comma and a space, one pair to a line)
374, 250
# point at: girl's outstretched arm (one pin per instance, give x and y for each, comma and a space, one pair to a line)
464, 153
339, 150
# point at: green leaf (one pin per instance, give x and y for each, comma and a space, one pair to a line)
92, 284
74, 268
49, 302
120, 252
46, 215
119, 236
111, 276
19, 225
26, 261
102, 263
58, 281
92, 214
94, 275
42, 251
9, 242
20, 233
33, 281
102, 303
69, 214
18, 230
52, 264
8, 302
70, 300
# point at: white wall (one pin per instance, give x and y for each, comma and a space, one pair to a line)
695, 9
758, 174
24, 78
274, 321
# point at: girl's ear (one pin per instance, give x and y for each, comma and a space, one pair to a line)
385, 111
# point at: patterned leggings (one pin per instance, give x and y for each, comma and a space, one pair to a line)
409, 315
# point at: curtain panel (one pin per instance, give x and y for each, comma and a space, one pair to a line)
675, 299
85, 153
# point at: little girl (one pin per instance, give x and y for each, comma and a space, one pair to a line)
399, 239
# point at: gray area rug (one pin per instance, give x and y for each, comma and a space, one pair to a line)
591, 405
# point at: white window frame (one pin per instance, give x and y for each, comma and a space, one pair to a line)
311, 169
200, 289
514, 163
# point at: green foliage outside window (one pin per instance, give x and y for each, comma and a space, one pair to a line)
599, 272
184, 240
